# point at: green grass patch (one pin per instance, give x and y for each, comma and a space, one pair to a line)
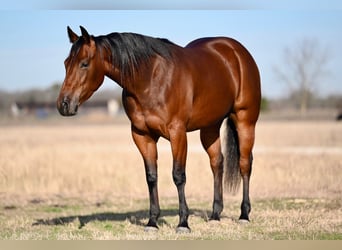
276, 219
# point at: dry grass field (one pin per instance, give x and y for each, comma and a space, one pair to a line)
75, 180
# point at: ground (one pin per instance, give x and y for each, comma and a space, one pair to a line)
85, 180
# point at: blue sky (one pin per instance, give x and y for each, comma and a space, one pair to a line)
173, 4
34, 43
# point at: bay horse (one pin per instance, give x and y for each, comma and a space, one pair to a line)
169, 90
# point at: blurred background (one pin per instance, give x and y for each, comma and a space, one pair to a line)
297, 51
53, 166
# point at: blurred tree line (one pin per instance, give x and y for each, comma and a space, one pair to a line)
292, 103
48, 97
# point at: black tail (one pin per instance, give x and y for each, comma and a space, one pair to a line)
232, 177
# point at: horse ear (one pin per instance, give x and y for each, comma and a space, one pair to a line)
72, 36
85, 35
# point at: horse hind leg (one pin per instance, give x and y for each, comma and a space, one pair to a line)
210, 138
246, 134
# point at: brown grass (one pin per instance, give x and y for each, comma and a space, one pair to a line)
84, 165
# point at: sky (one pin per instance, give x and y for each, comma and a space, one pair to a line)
34, 42
172, 4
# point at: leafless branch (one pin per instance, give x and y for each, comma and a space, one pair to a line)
304, 66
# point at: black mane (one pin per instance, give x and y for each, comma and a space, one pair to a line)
128, 51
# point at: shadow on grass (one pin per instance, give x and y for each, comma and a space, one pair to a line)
134, 217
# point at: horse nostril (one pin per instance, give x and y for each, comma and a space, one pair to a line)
65, 105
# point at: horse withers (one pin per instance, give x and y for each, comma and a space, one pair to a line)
169, 90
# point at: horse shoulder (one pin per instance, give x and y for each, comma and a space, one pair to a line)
134, 111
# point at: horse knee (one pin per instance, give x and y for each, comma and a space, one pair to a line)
151, 177
179, 177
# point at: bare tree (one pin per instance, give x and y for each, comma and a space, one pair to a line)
304, 66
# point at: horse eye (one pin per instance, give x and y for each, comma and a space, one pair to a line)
84, 65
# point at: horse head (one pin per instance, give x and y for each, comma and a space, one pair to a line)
84, 73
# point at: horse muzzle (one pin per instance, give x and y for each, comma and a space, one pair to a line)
67, 107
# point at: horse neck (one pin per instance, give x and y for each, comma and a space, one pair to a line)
113, 73
116, 75
136, 70
130, 83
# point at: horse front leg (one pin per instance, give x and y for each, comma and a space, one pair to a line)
178, 141
147, 146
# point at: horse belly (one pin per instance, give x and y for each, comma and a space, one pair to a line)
211, 108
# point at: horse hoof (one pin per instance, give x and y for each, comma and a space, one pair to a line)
149, 229
243, 221
183, 230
